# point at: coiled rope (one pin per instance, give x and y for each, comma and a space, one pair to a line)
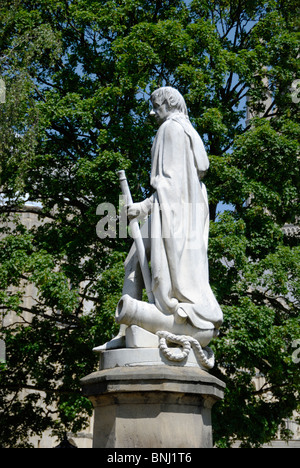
206, 358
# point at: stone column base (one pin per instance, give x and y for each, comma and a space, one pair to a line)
152, 406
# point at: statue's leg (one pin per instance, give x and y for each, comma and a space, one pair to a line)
133, 281
133, 286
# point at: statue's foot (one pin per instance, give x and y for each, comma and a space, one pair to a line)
115, 343
180, 316
118, 341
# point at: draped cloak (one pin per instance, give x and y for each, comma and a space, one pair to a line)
180, 224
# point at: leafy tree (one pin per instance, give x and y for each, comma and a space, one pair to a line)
78, 76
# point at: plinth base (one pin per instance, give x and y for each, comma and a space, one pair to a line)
152, 406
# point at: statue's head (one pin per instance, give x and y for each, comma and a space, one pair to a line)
165, 101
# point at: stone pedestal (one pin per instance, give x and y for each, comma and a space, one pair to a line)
150, 404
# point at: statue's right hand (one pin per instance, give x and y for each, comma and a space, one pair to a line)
133, 211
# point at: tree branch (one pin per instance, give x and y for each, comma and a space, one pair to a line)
275, 301
26, 209
19, 388
263, 390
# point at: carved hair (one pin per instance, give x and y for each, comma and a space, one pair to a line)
172, 97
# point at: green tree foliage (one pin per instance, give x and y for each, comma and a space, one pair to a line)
78, 77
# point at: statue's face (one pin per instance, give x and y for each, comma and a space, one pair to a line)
160, 111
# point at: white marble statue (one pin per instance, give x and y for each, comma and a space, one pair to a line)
175, 235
